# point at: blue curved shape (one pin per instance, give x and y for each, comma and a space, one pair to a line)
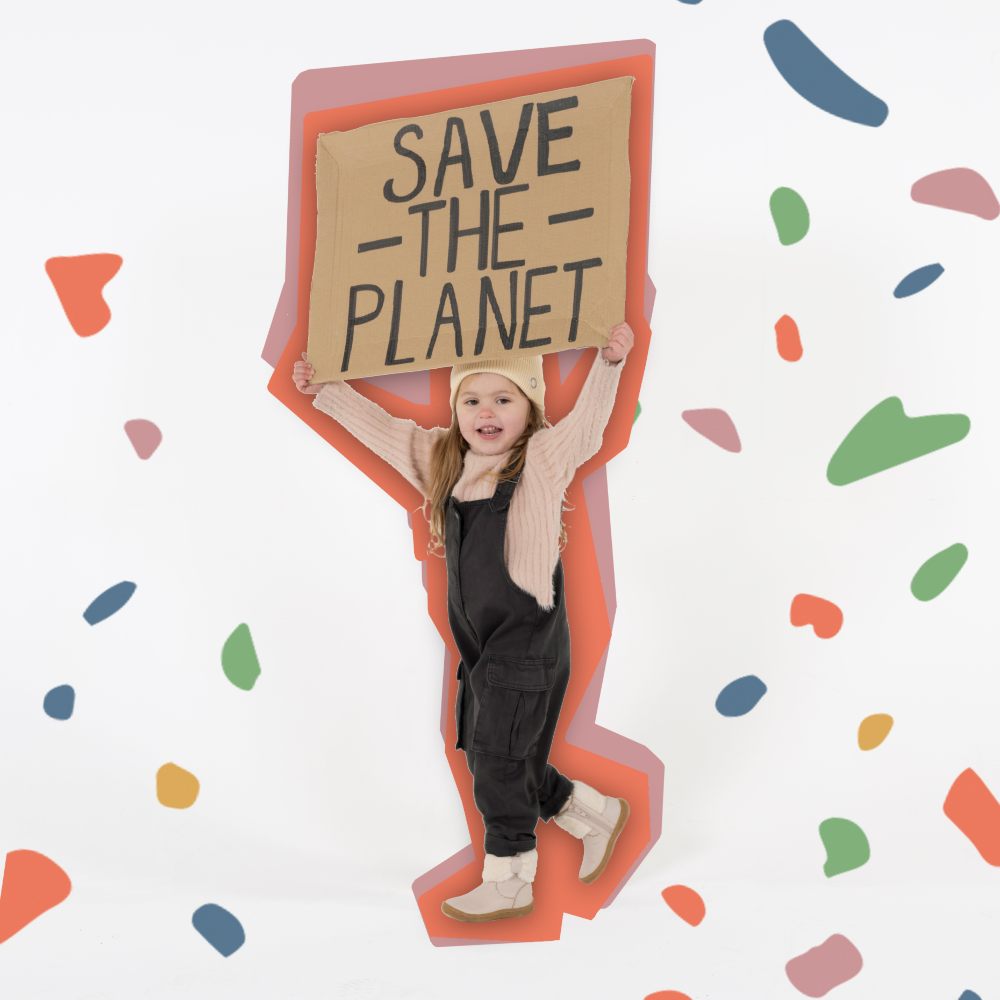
918, 280
219, 928
107, 603
740, 696
814, 76
58, 703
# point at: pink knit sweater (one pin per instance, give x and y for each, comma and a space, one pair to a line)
531, 546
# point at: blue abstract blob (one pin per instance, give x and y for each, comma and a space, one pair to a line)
918, 280
219, 928
106, 604
819, 80
740, 696
58, 703
969, 995
690, 1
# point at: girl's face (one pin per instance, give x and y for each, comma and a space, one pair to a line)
492, 412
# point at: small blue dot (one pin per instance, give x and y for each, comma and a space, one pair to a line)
58, 702
740, 696
219, 928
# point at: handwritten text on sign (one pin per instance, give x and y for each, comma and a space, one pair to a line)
484, 231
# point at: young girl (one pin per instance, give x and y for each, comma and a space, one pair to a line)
495, 480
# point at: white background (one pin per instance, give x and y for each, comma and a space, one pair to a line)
161, 134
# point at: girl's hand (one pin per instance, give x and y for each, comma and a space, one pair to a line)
302, 372
620, 342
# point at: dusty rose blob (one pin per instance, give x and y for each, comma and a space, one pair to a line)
820, 969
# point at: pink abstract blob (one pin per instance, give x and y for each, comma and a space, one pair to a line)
820, 969
144, 435
715, 425
960, 189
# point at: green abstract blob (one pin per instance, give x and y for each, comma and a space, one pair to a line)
791, 217
885, 436
936, 574
638, 410
239, 659
846, 846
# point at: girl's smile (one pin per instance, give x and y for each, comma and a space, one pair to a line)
492, 412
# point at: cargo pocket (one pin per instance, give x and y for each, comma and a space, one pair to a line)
514, 705
459, 709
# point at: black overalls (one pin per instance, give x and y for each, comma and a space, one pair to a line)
512, 676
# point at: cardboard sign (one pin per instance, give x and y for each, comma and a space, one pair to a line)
481, 232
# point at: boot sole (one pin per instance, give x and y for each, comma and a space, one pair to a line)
475, 918
623, 816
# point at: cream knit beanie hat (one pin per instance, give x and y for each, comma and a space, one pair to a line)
524, 372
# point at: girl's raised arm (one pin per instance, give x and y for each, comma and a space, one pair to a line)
579, 435
403, 443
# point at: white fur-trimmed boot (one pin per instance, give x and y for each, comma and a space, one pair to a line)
595, 819
505, 892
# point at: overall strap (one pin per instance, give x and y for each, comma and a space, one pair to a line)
504, 491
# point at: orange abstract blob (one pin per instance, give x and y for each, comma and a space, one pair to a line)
873, 730
970, 805
79, 282
667, 995
176, 787
32, 884
824, 616
789, 341
685, 902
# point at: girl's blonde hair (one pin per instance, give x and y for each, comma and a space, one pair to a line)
447, 461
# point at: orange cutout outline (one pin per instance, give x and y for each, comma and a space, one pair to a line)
557, 888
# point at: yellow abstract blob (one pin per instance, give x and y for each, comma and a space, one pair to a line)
873, 731
176, 787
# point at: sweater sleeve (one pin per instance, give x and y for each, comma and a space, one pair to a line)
404, 444
580, 434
